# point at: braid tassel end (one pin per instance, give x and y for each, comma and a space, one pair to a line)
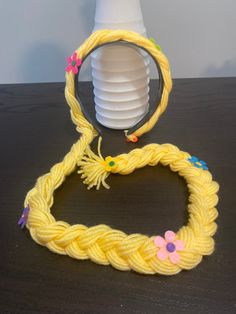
95, 169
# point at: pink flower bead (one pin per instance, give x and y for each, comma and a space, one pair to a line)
73, 64
168, 247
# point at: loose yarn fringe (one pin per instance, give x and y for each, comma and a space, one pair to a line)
92, 168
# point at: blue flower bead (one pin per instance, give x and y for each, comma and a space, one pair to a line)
198, 163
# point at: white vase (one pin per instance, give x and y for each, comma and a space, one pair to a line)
120, 73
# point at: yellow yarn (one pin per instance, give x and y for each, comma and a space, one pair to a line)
101, 243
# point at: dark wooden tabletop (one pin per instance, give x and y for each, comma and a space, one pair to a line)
36, 132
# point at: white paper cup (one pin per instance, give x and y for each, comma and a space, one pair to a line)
122, 12
120, 66
135, 114
123, 96
118, 114
122, 105
117, 124
128, 76
120, 86
119, 54
120, 72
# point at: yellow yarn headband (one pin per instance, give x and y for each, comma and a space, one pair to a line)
103, 37
164, 86
167, 255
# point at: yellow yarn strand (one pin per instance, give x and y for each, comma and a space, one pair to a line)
101, 243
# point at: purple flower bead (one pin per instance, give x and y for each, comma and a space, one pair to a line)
24, 217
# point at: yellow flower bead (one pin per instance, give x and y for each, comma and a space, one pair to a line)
110, 164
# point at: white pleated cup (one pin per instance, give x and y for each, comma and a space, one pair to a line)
120, 72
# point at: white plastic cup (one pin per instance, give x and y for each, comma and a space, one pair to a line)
120, 86
120, 73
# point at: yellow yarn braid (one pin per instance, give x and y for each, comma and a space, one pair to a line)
101, 243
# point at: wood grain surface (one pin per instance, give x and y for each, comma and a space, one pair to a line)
36, 132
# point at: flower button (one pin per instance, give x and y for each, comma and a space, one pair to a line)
154, 42
168, 247
73, 63
24, 217
198, 163
110, 164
